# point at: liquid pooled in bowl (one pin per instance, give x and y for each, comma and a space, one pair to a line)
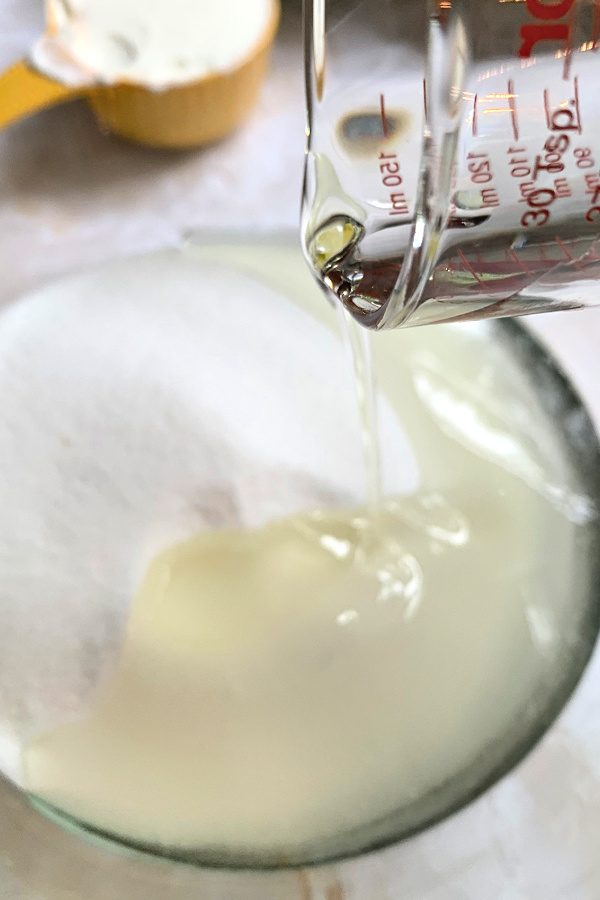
294, 667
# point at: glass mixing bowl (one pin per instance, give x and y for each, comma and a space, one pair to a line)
47, 855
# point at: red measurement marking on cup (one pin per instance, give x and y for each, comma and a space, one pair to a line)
562, 188
592, 181
540, 201
585, 160
546, 25
512, 102
480, 168
576, 98
564, 248
568, 253
480, 171
391, 177
521, 263
383, 116
520, 167
547, 109
566, 115
470, 268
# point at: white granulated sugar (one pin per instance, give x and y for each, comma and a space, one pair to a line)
141, 403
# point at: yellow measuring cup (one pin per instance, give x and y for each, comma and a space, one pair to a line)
187, 115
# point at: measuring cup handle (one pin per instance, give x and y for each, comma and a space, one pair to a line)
24, 91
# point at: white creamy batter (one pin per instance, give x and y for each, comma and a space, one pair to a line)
277, 680
157, 43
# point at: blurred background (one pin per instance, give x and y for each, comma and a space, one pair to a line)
72, 195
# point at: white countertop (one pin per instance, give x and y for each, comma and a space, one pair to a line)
72, 195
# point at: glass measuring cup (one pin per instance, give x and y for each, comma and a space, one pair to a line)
453, 163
